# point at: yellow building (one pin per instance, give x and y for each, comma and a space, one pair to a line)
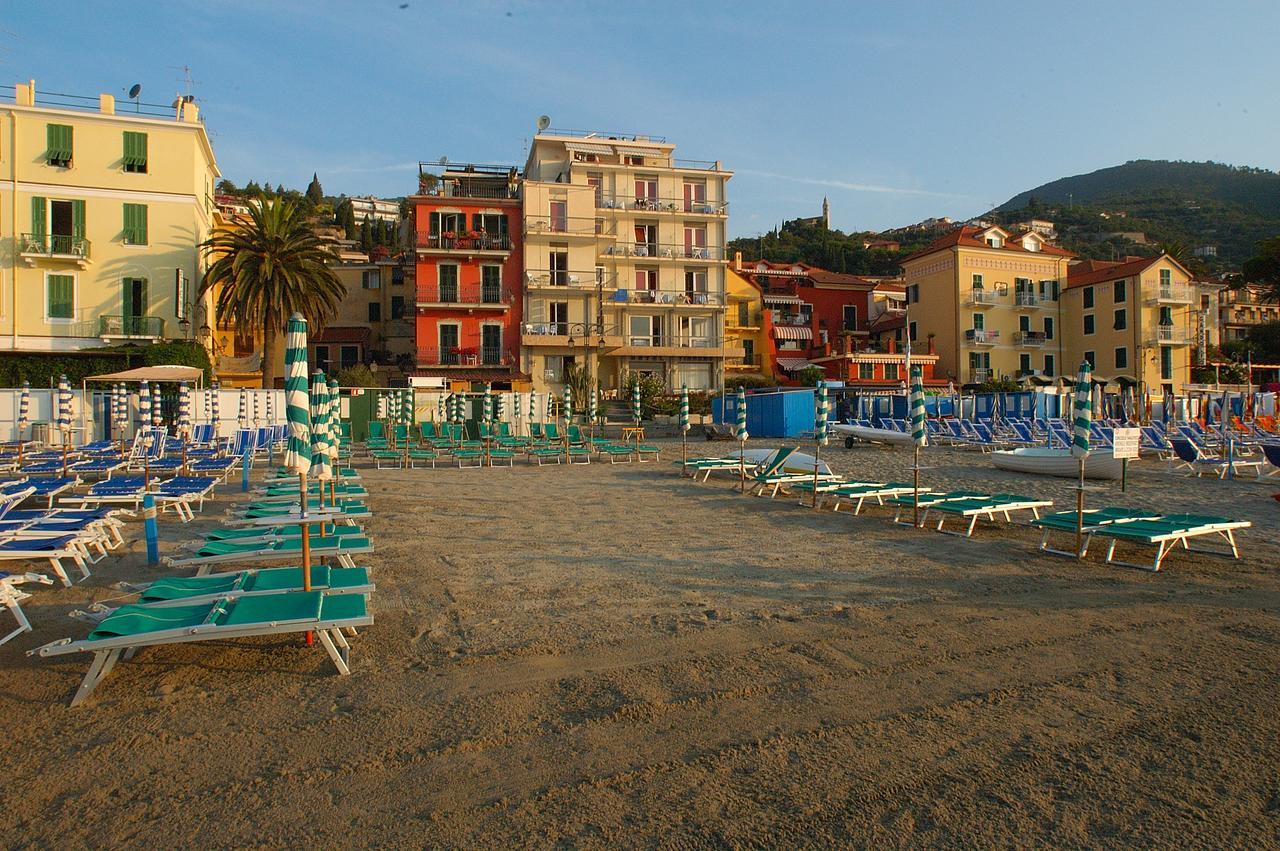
374, 322
1241, 308
988, 298
624, 262
744, 328
1138, 320
101, 216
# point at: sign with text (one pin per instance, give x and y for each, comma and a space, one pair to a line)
1126, 442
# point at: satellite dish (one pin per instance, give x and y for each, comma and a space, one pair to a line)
135, 90
544, 121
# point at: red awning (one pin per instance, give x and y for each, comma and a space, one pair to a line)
792, 364
792, 332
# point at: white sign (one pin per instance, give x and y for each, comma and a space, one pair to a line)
1126, 442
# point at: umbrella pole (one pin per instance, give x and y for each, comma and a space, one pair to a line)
684, 450
817, 450
306, 540
915, 484
65, 441
1080, 512
742, 466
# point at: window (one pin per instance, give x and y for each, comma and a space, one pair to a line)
491, 345
646, 240
979, 322
448, 282
58, 148
866, 371
1166, 316
1024, 324
448, 332
1122, 358
554, 366
135, 152
1121, 320
559, 216
695, 242
375, 311
1117, 292
913, 294
133, 301
1166, 277
1049, 290
646, 192
1088, 323
1092, 359
911, 332
397, 276
60, 296
1048, 365
695, 283
1024, 364
1048, 327
646, 330
371, 279
559, 264
491, 284
891, 372
647, 279
850, 317
322, 358
1166, 363
348, 356
1087, 297
135, 224
596, 181
559, 317
695, 331
57, 226
977, 282
489, 225
447, 223
397, 307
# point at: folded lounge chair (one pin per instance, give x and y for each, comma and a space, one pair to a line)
11, 597
186, 590
338, 547
859, 494
133, 627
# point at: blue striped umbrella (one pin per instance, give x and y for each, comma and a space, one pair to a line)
24, 408
1082, 415
144, 403
320, 427
184, 409
684, 409
64, 407
635, 401
257, 406
157, 412
214, 414
243, 418
271, 407
207, 398
297, 456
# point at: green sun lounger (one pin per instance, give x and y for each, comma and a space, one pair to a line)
907, 502
614, 451
222, 552
1170, 531
257, 511
172, 590
1092, 519
991, 508
133, 627
345, 526
859, 495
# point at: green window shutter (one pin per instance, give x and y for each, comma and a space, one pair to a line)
127, 300
61, 296
77, 219
135, 224
38, 207
135, 149
58, 142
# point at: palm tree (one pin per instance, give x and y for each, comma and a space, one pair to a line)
269, 267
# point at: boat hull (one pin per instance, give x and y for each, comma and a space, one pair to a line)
1100, 464
873, 435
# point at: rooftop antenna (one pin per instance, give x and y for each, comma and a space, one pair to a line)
187, 82
444, 161
544, 121
134, 91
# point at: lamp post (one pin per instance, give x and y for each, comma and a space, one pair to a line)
585, 329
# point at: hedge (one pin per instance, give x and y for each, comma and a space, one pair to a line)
42, 370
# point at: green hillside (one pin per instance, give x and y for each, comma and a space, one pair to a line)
1187, 204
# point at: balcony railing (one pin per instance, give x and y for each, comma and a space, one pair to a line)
978, 376
463, 356
983, 297
734, 319
569, 329
55, 245
981, 337
472, 294
1025, 299
1173, 293
1170, 335
792, 319
663, 205
564, 278
666, 251
671, 297
1029, 338
675, 341
464, 242
130, 326
569, 226
752, 360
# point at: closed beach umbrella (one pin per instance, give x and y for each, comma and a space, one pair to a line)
568, 403
243, 417
184, 409
408, 407
742, 414
919, 434
208, 405
684, 409
120, 406
533, 404
1082, 416
64, 407
297, 456
271, 407
215, 414
335, 422
499, 405
382, 407
820, 421
592, 407
440, 404
319, 426
144, 403
515, 400
157, 418
24, 407
635, 401
256, 407
488, 404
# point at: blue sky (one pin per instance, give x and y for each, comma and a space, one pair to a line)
895, 111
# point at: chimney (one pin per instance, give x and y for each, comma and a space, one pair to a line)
106, 104
931, 351
25, 95
737, 261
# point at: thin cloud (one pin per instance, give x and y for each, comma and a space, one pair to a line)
372, 169
852, 187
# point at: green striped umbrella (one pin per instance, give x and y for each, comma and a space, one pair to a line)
635, 401
407, 406
297, 456
440, 405
144, 403
919, 435
515, 401
184, 409
568, 403
335, 422
320, 427
533, 404
487, 406
499, 407
1081, 415
742, 414
592, 407
382, 406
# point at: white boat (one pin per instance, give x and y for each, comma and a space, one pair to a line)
1100, 464
890, 436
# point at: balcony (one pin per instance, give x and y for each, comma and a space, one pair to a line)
40, 246
131, 327
674, 345
560, 279
978, 375
569, 335
1170, 335
981, 338
745, 321
1171, 294
464, 357
443, 179
982, 297
465, 244
744, 362
664, 205
665, 251
669, 297
1029, 338
1025, 299
562, 227
801, 320
473, 297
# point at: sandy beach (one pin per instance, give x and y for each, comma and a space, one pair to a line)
604, 656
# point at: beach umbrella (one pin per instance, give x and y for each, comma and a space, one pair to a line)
487, 406
684, 424
144, 403
319, 429
568, 403
256, 407
635, 404
157, 418
334, 424
64, 418
533, 404
208, 406
184, 408
819, 433
499, 407
919, 434
120, 411
440, 403
1227, 434
742, 436
516, 400
271, 407
593, 409
24, 408
214, 414
1081, 416
297, 455
407, 406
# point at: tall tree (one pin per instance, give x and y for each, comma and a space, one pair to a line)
366, 235
315, 194
268, 268
1264, 267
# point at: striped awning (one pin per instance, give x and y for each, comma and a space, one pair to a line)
588, 148
792, 332
782, 299
637, 152
792, 364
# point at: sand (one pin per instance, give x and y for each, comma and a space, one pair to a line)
614, 656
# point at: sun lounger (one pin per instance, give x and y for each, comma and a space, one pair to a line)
53, 549
858, 495
256, 511
341, 548
989, 508
11, 598
186, 590
907, 503
1093, 519
1168, 532
133, 627
615, 451
1190, 457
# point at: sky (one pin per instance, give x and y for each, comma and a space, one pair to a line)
894, 111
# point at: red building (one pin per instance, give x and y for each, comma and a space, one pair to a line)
467, 233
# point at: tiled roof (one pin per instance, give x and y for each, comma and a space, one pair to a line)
967, 237
1102, 270
887, 322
